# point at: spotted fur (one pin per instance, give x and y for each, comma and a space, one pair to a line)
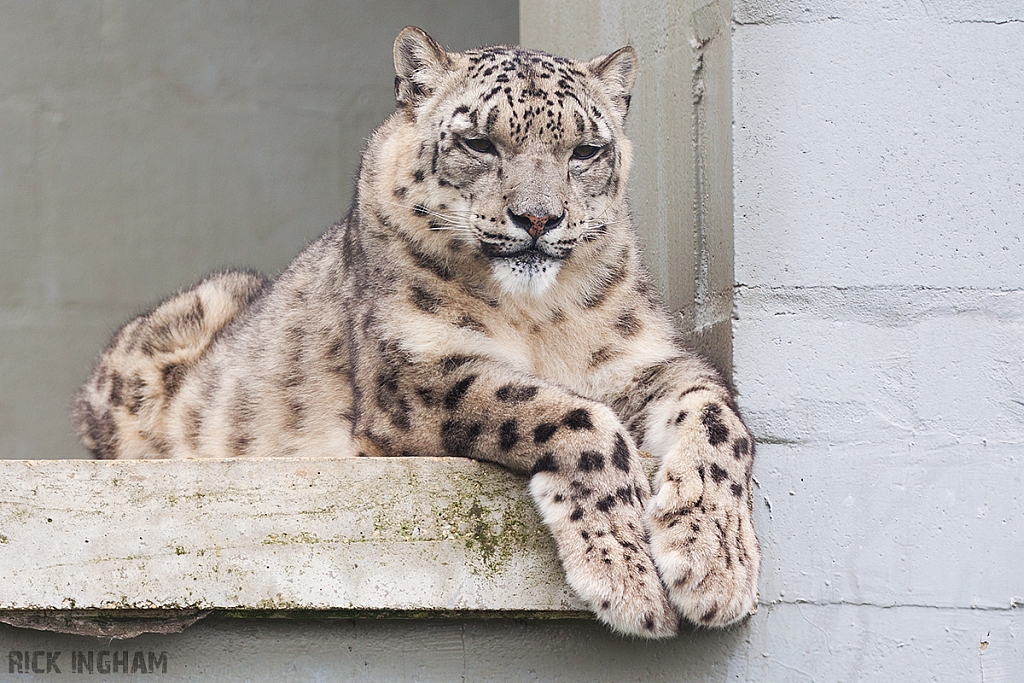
484, 298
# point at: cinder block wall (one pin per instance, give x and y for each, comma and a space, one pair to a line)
145, 144
879, 339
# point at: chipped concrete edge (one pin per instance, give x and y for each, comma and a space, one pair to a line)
126, 624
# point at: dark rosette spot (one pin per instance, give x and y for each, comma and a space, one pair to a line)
545, 463
620, 456
515, 393
578, 419
116, 386
458, 437
712, 419
591, 461
508, 434
452, 363
457, 392
425, 300
543, 432
628, 324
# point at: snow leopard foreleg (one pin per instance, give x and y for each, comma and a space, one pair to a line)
700, 513
584, 469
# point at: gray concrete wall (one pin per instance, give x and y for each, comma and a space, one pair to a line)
144, 144
879, 340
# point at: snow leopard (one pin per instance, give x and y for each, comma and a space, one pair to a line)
483, 298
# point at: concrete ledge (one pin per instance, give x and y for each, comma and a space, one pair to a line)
146, 543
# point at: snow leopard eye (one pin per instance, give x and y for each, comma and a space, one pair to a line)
482, 145
585, 151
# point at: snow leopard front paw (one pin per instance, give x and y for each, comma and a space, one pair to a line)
625, 591
613, 571
700, 523
606, 556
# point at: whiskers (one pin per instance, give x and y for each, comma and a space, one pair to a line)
463, 225
454, 221
596, 226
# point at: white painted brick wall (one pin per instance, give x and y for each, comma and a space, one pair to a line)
879, 339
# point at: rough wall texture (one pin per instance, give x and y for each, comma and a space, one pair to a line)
145, 144
879, 341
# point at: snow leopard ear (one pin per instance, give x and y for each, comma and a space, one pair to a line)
420, 63
617, 72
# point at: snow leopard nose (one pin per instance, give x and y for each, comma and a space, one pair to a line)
535, 225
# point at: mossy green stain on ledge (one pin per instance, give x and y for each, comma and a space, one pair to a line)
496, 524
283, 538
496, 536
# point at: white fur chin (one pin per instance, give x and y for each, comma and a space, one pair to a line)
521, 276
